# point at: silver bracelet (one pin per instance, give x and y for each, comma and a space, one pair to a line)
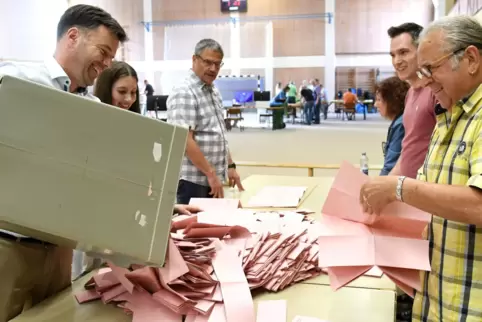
398, 191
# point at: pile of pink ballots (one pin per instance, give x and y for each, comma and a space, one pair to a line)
352, 242
212, 265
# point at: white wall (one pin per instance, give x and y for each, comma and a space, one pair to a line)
28, 28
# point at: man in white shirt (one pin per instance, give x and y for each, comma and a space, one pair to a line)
87, 40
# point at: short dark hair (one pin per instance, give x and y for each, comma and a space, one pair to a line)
411, 28
393, 91
286, 88
105, 82
89, 17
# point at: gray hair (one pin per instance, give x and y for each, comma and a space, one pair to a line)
459, 33
211, 44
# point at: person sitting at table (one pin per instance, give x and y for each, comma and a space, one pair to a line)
390, 101
349, 101
280, 99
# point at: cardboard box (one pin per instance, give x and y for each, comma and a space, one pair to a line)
85, 174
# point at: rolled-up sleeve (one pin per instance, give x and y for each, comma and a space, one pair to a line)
475, 160
182, 109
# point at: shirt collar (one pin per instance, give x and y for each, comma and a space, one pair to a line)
467, 103
472, 99
57, 73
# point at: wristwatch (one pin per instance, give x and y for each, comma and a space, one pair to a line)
398, 191
232, 166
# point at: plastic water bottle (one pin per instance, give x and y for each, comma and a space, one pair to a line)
364, 163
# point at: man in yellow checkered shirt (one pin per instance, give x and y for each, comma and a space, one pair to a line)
449, 184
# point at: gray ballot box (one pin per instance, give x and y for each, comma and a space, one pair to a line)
84, 174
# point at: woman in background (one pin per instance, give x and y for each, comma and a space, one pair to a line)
117, 85
390, 101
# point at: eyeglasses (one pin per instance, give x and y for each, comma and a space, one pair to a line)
209, 63
426, 71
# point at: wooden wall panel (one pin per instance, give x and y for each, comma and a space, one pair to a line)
186, 10
180, 40
129, 13
304, 37
361, 26
253, 39
284, 75
344, 78
285, 7
355, 77
211, 9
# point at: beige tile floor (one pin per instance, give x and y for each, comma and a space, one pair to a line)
331, 142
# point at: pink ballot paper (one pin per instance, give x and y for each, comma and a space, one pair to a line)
352, 242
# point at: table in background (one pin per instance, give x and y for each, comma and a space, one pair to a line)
345, 305
315, 195
365, 103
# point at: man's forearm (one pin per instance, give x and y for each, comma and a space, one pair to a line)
230, 159
452, 202
194, 153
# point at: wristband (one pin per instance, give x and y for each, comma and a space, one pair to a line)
398, 191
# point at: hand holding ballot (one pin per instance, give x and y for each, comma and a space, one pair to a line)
380, 232
377, 193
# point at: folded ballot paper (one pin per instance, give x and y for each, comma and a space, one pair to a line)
85, 174
352, 242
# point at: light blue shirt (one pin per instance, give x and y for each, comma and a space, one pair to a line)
48, 73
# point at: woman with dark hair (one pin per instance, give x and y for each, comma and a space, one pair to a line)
390, 101
117, 85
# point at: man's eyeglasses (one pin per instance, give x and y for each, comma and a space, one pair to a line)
426, 71
209, 63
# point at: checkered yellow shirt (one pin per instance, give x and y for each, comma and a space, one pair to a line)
452, 291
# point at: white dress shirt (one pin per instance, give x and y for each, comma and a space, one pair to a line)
48, 73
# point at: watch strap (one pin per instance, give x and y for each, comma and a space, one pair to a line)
232, 166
